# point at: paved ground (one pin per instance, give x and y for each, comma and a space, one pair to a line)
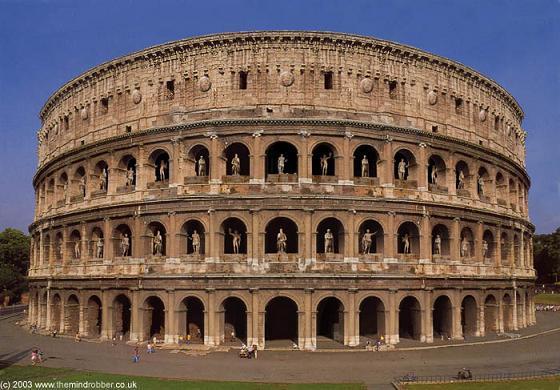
376, 369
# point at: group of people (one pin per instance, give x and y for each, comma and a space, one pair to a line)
541, 307
248, 352
376, 345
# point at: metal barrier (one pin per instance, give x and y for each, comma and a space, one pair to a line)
5, 311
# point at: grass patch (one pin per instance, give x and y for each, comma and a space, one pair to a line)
47, 374
530, 384
548, 299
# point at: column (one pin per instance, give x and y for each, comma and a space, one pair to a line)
425, 239
174, 170
257, 164
451, 175
498, 246
457, 329
141, 169
308, 224
64, 246
41, 249
135, 321
350, 237
481, 325
213, 253
387, 179
344, 172
49, 314
107, 239
478, 242
390, 239
137, 237
304, 159
254, 249
522, 260
106, 316
455, 240
256, 338
422, 168
353, 337
308, 309
392, 331
210, 323
215, 172
500, 314
172, 242
171, 334
514, 308
112, 172
427, 327
84, 250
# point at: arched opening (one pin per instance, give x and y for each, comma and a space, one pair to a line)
50, 193
93, 317
501, 189
62, 189
462, 178
507, 307
410, 319
366, 159
97, 243
159, 162
121, 317
323, 161
504, 248
408, 237
405, 168
371, 237
467, 243
153, 318
126, 173
56, 313
46, 249
440, 242
281, 321
372, 319
198, 163
72, 315
442, 318
156, 239
528, 308
437, 173
281, 161
59, 248
488, 246
74, 245
281, 236
469, 314
191, 323
330, 320
330, 236
194, 237
482, 184
123, 241
237, 160
512, 195
100, 177
490, 314
79, 185
235, 321
516, 250
520, 309
234, 236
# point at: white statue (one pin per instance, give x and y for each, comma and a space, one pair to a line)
104, 179
281, 163
129, 177
99, 248
460, 180
201, 166
83, 185
434, 175
402, 167
484, 249
437, 245
325, 164
281, 240
236, 240
157, 244
365, 166
125, 244
480, 185
195, 238
162, 168
367, 240
77, 249
65, 191
329, 239
406, 241
465, 247
235, 165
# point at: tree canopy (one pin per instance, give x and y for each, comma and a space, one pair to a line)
14, 263
547, 256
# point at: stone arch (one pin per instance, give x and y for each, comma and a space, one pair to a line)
96, 235
63, 187
437, 172
58, 248
229, 230
243, 154
290, 229
442, 317
517, 260
504, 244
462, 176
327, 151
410, 166
153, 318
126, 172
371, 318
190, 227
234, 320
441, 247
408, 230
198, 161
286, 150
490, 314
369, 226
466, 245
79, 183
120, 235
56, 313
72, 315
330, 319
469, 316
488, 249
192, 319
151, 245
512, 193
159, 162
281, 320
410, 318
482, 184
100, 169
93, 316
507, 309
501, 189
371, 155
74, 245
121, 316
333, 226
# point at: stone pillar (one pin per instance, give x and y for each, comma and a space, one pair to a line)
498, 246
64, 247
171, 333
522, 322
450, 175
514, 308
425, 239
172, 244
427, 327
308, 226
142, 171
308, 343
392, 330
257, 164
210, 323
49, 309
511, 254
353, 337
174, 163
422, 167
500, 315
387, 179
106, 316
304, 160
256, 338
481, 327
213, 252
112, 172
135, 321
346, 160
478, 252
457, 329
350, 237
52, 244
41, 248
455, 240
522, 260
390, 239
215, 174
63, 303
108, 252
84, 250
138, 238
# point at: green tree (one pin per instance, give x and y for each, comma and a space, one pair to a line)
547, 256
14, 263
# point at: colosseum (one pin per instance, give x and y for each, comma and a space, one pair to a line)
289, 188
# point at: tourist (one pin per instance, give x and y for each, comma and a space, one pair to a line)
36, 356
377, 345
150, 348
77, 338
54, 332
255, 348
250, 352
189, 338
136, 355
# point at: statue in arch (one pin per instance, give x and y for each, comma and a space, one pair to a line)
281, 241
236, 240
434, 174
401, 169
99, 248
157, 244
281, 163
365, 166
406, 243
325, 163
437, 245
480, 181
65, 191
367, 240
125, 244
129, 177
329, 241
77, 249
83, 185
162, 168
465, 247
235, 165
104, 178
484, 249
195, 238
201, 166
460, 180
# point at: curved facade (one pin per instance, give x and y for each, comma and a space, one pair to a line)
267, 186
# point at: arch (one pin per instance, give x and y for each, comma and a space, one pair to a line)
440, 241
74, 245
410, 318
517, 260
466, 247
234, 321
194, 237
72, 315
198, 161
372, 318
330, 236
442, 317
191, 322
79, 182
122, 237
404, 165
237, 158
490, 314
288, 155
408, 232
56, 313
93, 316
281, 320
101, 175
159, 162
153, 320
97, 243
323, 159
482, 180
366, 159
121, 316
437, 172
512, 194
233, 236
62, 187
488, 245
156, 239
127, 171
59, 248
507, 309
276, 227
462, 176
46, 248
330, 319
371, 244
469, 316
501, 189
504, 245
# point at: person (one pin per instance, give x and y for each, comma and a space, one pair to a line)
235, 165
281, 163
465, 247
250, 351
77, 249
188, 338
114, 341
195, 238
437, 245
406, 242
281, 240
402, 167
154, 339
201, 166
99, 246
136, 355
329, 241
157, 244
434, 174
129, 177
255, 349
460, 180
36, 356
481, 185
77, 338
162, 168
103, 181
83, 185
367, 345
125, 244
150, 348
377, 345
367, 240
236, 240
180, 339
365, 166
325, 163
33, 328
484, 248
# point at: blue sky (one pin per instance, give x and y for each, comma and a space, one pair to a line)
45, 43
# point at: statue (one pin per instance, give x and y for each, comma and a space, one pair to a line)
434, 174
195, 238
235, 165
236, 240
281, 163
103, 179
77, 249
162, 168
201, 166
125, 244
325, 164
365, 166
460, 180
157, 244
465, 246
437, 245
406, 241
281, 241
484, 249
99, 248
329, 239
129, 177
367, 240
65, 191
480, 181
402, 167
83, 185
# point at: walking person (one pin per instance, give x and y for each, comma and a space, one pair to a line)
136, 355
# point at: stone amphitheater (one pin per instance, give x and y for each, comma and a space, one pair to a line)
282, 188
